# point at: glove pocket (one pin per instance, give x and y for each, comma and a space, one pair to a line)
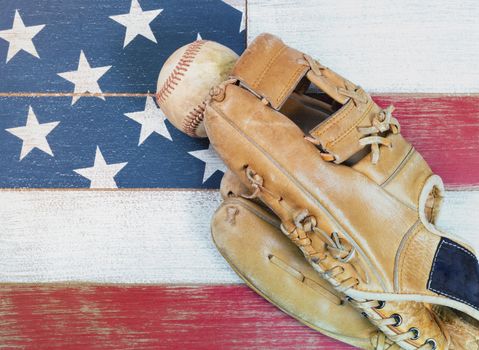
265, 259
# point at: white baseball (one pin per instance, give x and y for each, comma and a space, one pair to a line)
186, 79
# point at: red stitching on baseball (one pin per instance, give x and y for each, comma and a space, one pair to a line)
182, 66
193, 119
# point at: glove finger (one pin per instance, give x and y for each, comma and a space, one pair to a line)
364, 241
250, 240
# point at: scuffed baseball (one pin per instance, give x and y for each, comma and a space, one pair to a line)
186, 79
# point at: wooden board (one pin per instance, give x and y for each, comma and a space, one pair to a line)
135, 236
71, 27
148, 317
385, 46
115, 241
444, 129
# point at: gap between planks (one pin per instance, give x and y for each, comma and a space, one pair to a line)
72, 94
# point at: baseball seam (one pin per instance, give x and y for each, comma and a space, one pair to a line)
179, 71
193, 119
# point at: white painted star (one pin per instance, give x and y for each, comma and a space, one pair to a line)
137, 22
151, 119
33, 135
198, 37
241, 8
85, 78
212, 161
101, 175
20, 37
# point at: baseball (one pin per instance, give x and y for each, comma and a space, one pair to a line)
186, 79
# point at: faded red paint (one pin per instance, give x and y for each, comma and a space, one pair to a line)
445, 130
148, 317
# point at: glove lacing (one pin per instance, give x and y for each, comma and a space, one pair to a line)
345, 253
342, 252
394, 320
384, 121
379, 341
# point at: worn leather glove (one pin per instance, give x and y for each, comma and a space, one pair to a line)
350, 192
249, 237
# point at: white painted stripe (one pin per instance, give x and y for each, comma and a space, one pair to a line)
384, 46
135, 236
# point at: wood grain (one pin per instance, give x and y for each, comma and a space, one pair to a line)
148, 317
445, 130
136, 236
162, 236
135, 68
385, 46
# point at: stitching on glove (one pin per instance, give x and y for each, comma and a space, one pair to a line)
461, 248
400, 167
286, 87
434, 267
328, 124
354, 126
268, 66
403, 248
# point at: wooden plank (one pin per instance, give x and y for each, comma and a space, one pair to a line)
162, 159
135, 62
445, 129
135, 236
148, 317
110, 236
385, 46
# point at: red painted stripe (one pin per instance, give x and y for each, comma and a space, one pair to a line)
445, 130
148, 317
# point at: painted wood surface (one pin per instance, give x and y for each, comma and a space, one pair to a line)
444, 129
136, 236
160, 236
148, 317
134, 61
160, 159
385, 46
91, 68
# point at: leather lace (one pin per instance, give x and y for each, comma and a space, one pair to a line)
350, 90
392, 321
334, 245
316, 67
383, 122
380, 342
341, 251
353, 92
345, 253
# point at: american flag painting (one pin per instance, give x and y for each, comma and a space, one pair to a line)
105, 207
114, 51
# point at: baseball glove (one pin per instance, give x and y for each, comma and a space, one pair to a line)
350, 192
249, 237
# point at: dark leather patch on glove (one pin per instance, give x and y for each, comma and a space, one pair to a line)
455, 273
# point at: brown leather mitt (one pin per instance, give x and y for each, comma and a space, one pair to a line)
250, 239
350, 192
